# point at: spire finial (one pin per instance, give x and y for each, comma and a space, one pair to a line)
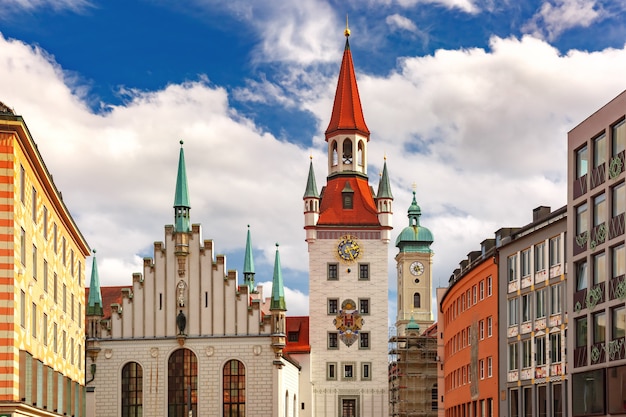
181, 143
347, 31
311, 157
414, 186
94, 251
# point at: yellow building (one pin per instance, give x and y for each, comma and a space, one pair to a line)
42, 288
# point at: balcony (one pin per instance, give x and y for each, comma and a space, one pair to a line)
580, 186
617, 287
597, 176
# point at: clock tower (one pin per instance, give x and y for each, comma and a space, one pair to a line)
414, 262
348, 229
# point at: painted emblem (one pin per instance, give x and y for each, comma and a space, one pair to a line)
348, 322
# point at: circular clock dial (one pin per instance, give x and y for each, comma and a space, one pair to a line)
348, 249
417, 268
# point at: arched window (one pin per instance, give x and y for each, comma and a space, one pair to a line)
132, 390
361, 154
182, 383
287, 404
334, 156
416, 300
295, 405
347, 151
234, 389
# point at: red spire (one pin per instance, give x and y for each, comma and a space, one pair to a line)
347, 112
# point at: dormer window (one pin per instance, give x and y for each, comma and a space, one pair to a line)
347, 196
347, 151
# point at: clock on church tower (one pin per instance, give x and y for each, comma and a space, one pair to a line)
414, 263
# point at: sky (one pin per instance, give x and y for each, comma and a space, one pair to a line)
469, 101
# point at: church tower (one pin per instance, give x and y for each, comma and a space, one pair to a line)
414, 262
348, 230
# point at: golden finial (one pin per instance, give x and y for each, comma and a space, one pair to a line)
347, 31
311, 157
414, 186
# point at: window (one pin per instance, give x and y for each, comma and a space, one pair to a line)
45, 276
234, 389
542, 401
64, 343
55, 339
619, 138
72, 262
512, 267
526, 262
45, 329
80, 315
80, 273
23, 246
599, 210
540, 256
526, 353
332, 271
331, 371
64, 253
481, 368
513, 356
581, 275
481, 329
557, 400
34, 205
364, 340
469, 298
54, 238
581, 331
132, 390
489, 366
33, 320
588, 393
555, 347
618, 265
334, 154
489, 285
513, 311
618, 322
45, 222
489, 326
555, 299
617, 397
54, 287
599, 327
555, 250
347, 151
469, 336
540, 304
526, 308
333, 342
618, 199
475, 294
364, 272
599, 268
64, 298
581, 161
364, 305
581, 219
72, 307
332, 305
348, 372
540, 350
23, 309
417, 303
599, 150
35, 262
22, 183
481, 289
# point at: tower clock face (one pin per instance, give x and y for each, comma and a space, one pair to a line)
348, 249
417, 268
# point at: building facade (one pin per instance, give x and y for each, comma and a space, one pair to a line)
469, 320
533, 325
596, 259
186, 338
348, 230
42, 291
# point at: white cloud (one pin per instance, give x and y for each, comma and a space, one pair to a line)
396, 21
556, 16
16, 6
467, 6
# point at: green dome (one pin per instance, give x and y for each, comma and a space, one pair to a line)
414, 238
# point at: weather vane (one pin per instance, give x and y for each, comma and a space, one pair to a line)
347, 31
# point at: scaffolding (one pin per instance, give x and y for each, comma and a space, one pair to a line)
413, 374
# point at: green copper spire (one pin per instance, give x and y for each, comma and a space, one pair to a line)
414, 212
248, 264
278, 292
412, 325
311, 186
94, 304
384, 188
414, 237
181, 197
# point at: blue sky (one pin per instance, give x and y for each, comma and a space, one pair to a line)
471, 100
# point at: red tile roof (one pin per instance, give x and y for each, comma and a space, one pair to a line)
363, 211
347, 113
110, 295
298, 324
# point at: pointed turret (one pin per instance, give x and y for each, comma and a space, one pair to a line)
311, 185
311, 205
248, 265
384, 199
94, 304
278, 309
181, 196
347, 134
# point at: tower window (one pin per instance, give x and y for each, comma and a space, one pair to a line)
332, 271
333, 340
364, 272
332, 305
347, 201
347, 151
364, 305
361, 154
417, 300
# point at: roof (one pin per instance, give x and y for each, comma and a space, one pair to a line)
110, 295
347, 113
299, 324
363, 211
414, 237
311, 186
